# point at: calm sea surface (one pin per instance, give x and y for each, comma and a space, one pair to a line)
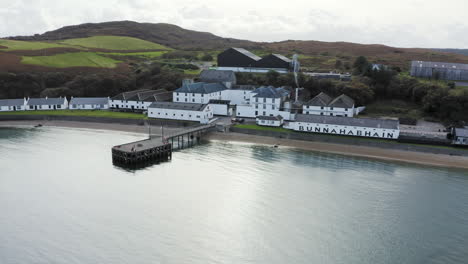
62, 201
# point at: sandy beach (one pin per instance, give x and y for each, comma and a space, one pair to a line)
421, 158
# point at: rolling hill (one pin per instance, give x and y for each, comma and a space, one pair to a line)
132, 39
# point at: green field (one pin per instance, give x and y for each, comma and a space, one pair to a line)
29, 45
65, 60
149, 54
91, 113
115, 43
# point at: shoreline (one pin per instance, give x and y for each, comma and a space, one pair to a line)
408, 157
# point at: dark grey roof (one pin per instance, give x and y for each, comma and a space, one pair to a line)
11, 102
274, 118
349, 121
202, 88
461, 132
243, 87
342, 101
89, 100
127, 95
247, 53
283, 58
322, 99
217, 76
215, 101
151, 96
46, 101
270, 92
178, 106
442, 65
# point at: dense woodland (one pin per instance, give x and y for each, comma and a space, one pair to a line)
436, 98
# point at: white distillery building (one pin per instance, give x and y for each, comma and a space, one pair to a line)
347, 126
273, 121
322, 104
181, 111
139, 100
7, 105
266, 101
199, 92
59, 103
220, 107
89, 103
238, 94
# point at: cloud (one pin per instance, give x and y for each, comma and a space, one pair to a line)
404, 23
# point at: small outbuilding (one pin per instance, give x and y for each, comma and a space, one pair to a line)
273, 121
460, 136
220, 107
89, 103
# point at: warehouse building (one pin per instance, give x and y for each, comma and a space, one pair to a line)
347, 126
242, 60
439, 70
266, 101
139, 100
199, 92
181, 111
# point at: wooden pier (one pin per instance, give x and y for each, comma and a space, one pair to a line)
155, 150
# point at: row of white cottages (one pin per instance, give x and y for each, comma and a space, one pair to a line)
58, 103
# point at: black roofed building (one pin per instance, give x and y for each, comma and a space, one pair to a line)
181, 111
199, 92
274, 61
12, 105
139, 100
347, 126
242, 60
439, 70
89, 103
323, 104
47, 103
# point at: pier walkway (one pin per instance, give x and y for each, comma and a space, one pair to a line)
157, 149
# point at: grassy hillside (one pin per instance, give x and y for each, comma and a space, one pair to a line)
28, 45
115, 43
77, 59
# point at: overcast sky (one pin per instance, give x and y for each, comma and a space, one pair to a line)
402, 23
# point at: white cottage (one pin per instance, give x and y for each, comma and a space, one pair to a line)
460, 136
89, 103
181, 111
347, 126
59, 103
273, 121
322, 104
12, 105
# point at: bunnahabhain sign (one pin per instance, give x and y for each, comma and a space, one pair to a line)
349, 132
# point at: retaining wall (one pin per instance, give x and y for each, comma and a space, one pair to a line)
107, 120
366, 142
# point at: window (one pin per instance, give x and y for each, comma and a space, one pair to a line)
74, 106
198, 116
346, 115
256, 106
177, 93
193, 94
177, 99
331, 108
264, 100
202, 95
185, 99
256, 113
264, 106
346, 109
273, 100
321, 113
273, 107
331, 114
264, 113
59, 106
193, 100
256, 99
321, 107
